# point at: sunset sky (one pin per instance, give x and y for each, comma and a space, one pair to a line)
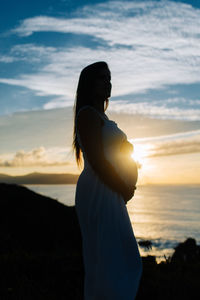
153, 51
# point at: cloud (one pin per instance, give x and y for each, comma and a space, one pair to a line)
182, 101
174, 144
155, 109
177, 147
167, 137
7, 59
32, 53
36, 157
59, 102
147, 44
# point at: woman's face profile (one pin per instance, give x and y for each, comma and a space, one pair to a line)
103, 84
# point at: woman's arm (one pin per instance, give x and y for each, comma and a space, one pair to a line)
89, 125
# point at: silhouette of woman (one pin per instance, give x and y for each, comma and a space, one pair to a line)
112, 263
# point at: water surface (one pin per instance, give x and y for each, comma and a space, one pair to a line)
164, 214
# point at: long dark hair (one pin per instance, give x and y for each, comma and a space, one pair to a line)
84, 96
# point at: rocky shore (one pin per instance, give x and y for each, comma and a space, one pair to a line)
40, 254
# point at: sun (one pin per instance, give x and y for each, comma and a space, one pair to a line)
140, 152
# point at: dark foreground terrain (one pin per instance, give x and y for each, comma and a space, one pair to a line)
40, 254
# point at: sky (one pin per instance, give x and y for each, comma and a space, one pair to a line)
153, 51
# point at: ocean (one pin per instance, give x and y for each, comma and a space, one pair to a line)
164, 214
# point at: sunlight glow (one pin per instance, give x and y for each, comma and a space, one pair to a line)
140, 152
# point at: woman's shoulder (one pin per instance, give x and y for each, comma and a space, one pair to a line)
87, 114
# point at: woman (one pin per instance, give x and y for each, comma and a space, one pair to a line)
111, 258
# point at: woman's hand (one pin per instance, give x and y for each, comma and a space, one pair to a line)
129, 193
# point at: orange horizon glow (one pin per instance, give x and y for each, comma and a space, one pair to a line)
152, 169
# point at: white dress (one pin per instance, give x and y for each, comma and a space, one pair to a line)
112, 263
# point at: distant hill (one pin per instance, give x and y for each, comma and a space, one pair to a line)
40, 178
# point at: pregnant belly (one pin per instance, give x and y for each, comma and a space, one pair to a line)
126, 168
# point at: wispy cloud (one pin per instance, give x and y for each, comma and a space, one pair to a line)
174, 144
175, 136
177, 147
182, 101
37, 157
156, 110
7, 59
147, 44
